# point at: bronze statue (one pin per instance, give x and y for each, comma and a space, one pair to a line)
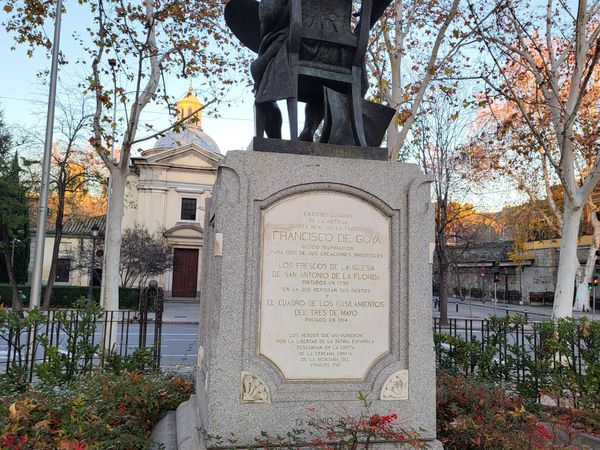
305, 47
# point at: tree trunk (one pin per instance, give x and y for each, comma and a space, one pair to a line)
567, 263
112, 246
582, 300
461, 294
393, 134
16, 299
582, 297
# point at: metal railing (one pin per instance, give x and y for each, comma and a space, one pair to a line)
83, 340
540, 357
80, 338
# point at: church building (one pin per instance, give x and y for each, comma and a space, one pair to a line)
166, 192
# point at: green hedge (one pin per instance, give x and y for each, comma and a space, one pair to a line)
65, 296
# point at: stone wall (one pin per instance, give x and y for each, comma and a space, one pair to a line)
537, 274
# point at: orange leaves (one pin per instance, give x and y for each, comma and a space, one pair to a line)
135, 376
20, 410
71, 445
403, 115
43, 424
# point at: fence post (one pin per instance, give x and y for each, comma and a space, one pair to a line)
159, 303
143, 307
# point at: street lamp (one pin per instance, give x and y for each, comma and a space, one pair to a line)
12, 255
90, 294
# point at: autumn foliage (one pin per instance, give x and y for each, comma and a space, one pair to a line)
101, 411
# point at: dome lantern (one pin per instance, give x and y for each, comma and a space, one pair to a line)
191, 107
190, 133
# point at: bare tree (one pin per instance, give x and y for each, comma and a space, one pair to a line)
558, 49
440, 145
417, 42
143, 255
74, 170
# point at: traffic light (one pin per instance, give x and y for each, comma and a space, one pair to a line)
595, 280
496, 277
590, 286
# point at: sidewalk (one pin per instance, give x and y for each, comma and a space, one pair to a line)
180, 313
485, 309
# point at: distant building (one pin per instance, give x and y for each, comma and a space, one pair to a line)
76, 233
528, 276
166, 191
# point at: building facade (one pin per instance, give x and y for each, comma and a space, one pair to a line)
165, 193
528, 277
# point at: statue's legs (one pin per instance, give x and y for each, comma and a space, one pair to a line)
313, 116
268, 119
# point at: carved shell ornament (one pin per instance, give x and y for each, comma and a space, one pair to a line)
254, 389
396, 386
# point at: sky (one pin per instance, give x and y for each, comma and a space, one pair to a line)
23, 98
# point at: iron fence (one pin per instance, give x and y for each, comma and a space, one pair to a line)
556, 358
80, 339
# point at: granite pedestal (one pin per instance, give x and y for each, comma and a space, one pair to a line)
316, 286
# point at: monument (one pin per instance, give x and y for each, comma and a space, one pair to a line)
316, 270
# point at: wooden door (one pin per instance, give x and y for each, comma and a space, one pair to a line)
185, 273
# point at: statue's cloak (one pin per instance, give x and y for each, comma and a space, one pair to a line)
264, 27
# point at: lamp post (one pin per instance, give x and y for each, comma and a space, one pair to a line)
12, 255
40, 235
90, 294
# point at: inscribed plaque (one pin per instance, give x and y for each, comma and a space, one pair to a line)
325, 286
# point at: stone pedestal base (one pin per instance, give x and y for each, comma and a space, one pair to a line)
179, 431
316, 280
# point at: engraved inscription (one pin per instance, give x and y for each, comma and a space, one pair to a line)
325, 286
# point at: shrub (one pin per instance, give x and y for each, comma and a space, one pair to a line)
471, 415
567, 362
66, 296
100, 411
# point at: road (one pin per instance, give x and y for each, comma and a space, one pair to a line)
179, 346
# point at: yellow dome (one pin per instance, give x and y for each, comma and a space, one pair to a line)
190, 109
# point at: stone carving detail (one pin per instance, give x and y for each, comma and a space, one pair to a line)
395, 387
254, 389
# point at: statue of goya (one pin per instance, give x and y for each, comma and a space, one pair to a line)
264, 27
